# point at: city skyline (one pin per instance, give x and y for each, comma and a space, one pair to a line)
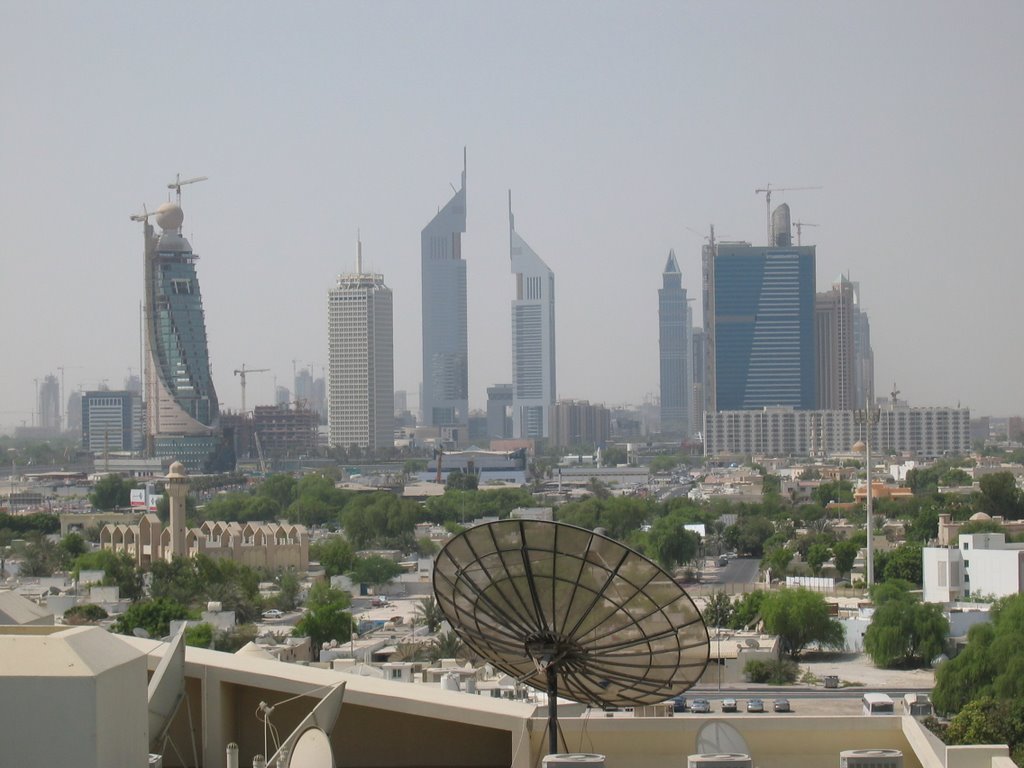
624, 133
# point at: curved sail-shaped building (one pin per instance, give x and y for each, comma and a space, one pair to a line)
181, 403
445, 399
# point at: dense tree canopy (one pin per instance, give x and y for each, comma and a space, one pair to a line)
1001, 496
335, 554
800, 617
153, 615
374, 570
381, 521
904, 563
111, 492
992, 664
904, 632
327, 616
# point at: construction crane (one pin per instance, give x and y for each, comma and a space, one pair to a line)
767, 190
240, 373
799, 227
178, 183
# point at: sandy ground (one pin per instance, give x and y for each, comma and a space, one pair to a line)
857, 668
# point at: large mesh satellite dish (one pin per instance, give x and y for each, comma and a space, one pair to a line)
571, 612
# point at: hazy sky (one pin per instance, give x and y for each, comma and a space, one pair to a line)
622, 129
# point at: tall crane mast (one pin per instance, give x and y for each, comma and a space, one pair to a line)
799, 227
178, 183
767, 190
240, 373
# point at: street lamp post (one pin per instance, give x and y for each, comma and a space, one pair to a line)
868, 417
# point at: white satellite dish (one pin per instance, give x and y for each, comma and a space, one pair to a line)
720, 738
312, 750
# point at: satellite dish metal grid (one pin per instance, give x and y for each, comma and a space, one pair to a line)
571, 612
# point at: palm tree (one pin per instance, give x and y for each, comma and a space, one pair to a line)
447, 645
429, 612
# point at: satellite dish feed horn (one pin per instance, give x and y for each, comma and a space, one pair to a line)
571, 612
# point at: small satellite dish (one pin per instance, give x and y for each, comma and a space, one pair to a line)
141, 632
751, 643
312, 750
720, 738
567, 610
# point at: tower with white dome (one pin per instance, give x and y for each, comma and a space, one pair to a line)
181, 403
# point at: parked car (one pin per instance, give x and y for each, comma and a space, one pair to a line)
273, 613
755, 705
728, 705
701, 706
678, 703
379, 602
781, 705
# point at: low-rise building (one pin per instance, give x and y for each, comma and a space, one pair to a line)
981, 565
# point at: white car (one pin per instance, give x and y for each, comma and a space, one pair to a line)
273, 613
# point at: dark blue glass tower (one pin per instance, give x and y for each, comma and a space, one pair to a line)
764, 326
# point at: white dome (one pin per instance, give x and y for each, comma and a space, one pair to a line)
169, 216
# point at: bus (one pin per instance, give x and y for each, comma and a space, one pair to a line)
878, 704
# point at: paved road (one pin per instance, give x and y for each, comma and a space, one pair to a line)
741, 570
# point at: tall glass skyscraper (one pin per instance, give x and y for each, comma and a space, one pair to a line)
361, 381
181, 403
760, 325
533, 338
675, 338
445, 394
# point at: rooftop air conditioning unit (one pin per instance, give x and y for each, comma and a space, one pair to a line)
870, 758
719, 760
573, 760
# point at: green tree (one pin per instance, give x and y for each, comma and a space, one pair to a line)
281, 488
1001, 496
671, 544
800, 617
613, 456
414, 466
71, 547
200, 636
778, 560
989, 720
118, 571
844, 553
981, 526
747, 610
426, 547
718, 610
288, 596
111, 492
839, 490
375, 570
905, 563
334, 554
380, 520
429, 613
904, 632
772, 672
41, 557
817, 555
326, 617
447, 645
86, 613
461, 481
154, 616
749, 534
992, 664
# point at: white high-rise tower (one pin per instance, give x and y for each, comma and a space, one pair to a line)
361, 386
533, 338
